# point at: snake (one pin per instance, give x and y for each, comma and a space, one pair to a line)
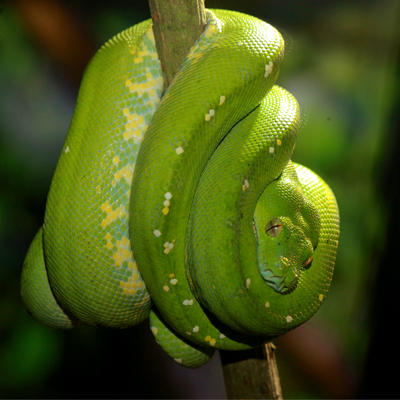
184, 208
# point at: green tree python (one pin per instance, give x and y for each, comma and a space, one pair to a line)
185, 207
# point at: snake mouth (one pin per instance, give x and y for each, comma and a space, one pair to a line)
279, 283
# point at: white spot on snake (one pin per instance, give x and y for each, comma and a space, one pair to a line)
268, 68
196, 329
179, 150
221, 100
212, 113
289, 318
248, 281
174, 281
166, 203
168, 195
246, 185
157, 233
178, 360
66, 150
168, 246
166, 288
188, 302
154, 330
222, 336
271, 150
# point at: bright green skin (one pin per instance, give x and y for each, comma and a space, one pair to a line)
35, 289
188, 217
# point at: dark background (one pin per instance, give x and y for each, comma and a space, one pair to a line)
342, 64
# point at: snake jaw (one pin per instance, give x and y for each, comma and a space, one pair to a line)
284, 279
279, 283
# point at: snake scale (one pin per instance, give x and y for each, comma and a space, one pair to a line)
185, 207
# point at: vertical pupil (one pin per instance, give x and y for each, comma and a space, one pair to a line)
273, 227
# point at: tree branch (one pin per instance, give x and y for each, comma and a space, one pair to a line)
177, 25
251, 374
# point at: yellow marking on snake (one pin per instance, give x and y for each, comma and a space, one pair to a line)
133, 130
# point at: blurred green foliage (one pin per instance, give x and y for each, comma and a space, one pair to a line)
341, 62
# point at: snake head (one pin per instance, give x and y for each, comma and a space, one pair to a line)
287, 228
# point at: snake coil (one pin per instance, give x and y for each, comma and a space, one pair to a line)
185, 206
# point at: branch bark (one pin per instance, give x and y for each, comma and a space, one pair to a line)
177, 25
251, 374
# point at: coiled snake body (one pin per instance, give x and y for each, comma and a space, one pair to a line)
185, 206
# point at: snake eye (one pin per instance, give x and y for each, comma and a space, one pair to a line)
274, 227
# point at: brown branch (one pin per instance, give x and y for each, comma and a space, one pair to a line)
251, 374
177, 24
274, 383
